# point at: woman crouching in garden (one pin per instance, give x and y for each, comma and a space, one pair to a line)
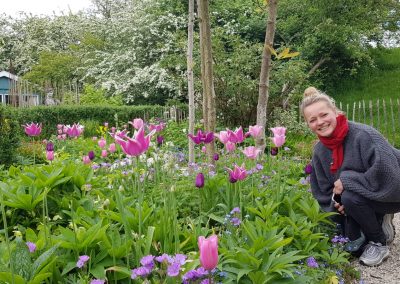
356, 172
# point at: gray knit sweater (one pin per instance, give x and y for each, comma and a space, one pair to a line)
371, 167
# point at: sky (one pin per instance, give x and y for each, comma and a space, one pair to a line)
42, 7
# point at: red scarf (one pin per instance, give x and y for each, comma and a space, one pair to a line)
335, 142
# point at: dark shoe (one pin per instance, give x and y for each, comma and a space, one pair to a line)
356, 247
374, 254
388, 228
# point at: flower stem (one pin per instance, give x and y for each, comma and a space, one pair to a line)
3, 213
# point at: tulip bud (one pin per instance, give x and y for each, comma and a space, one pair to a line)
102, 142
199, 180
91, 155
112, 148
308, 169
274, 151
86, 160
216, 157
50, 146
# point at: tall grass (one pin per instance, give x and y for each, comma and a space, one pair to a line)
381, 81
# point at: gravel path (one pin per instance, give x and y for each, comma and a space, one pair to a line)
389, 271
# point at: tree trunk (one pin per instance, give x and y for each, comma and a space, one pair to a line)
263, 89
191, 79
209, 115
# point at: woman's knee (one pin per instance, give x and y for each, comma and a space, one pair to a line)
350, 199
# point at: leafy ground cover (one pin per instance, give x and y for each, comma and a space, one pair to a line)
83, 211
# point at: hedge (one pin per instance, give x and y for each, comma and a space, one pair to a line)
50, 116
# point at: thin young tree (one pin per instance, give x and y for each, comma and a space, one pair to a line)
209, 112
190, 78
263, 89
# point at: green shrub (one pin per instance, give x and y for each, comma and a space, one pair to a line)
9, 138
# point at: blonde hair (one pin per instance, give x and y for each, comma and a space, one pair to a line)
313, 95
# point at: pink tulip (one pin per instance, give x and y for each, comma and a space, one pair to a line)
104, 153
113, 129
204, 149
60, 126
238, 173
64, 136
279, 136
279, 131
59, 131
33, 129
223, 136
102, 142
86, 160
136, 145
156, 127
75, 130
237, 136
137, 123
208, 252
106, 124
50, 155
112, 148
230, 146
255, 131
94, 138
251, 152
278, 140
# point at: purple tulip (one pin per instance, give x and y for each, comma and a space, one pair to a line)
199, 180
216, 157
202, 137
308, 169
160, 140
91, 155
274, 151
33, 129
49, 146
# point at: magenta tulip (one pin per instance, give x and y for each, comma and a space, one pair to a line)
156, 127
136, 145
75, 130
199, 183
238, 173
208, 252
202, 137
251, 152
102, 143
137, 123
33, 129
237, 136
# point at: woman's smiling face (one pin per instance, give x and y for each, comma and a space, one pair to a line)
321, 118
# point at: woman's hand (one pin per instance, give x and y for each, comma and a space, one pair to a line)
339, 208
338, 189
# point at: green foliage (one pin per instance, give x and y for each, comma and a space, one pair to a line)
51, 116
9, 138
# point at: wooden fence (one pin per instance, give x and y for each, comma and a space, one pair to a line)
382, 114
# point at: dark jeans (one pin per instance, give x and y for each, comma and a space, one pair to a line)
365, 215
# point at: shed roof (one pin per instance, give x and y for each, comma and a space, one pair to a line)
8, 75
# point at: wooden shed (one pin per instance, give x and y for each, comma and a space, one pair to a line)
16, 92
